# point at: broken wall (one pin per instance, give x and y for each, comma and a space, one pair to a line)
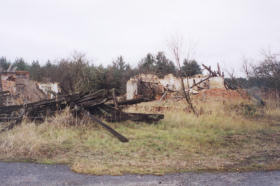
171, 83
131, 88
8, 86
216, 82
23, 90
49, 89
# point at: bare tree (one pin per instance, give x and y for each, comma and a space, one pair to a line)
176, 46
268, 71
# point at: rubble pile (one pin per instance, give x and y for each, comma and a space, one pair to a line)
149, 85
22, 90
92, 104
223, 93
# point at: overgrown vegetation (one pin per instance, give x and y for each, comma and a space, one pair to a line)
264, 75
228, 134
77, 73
220, 139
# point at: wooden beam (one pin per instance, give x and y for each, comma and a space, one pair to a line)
114, 115
201, 81
93, 118
115, 99
15, 122
112, 131
163, 96
132, 101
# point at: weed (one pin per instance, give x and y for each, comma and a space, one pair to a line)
221, 138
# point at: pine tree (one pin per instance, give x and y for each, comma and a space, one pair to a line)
163, 65
190, 68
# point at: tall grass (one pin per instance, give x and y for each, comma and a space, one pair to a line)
226, 136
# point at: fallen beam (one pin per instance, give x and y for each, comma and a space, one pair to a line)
112, 131
90, 104
201, 81
15, 122
137, 117
113, 115
132, 101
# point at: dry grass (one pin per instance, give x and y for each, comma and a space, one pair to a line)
226, 136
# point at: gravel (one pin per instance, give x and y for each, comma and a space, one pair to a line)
40, 174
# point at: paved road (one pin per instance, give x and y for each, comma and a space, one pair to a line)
38, 174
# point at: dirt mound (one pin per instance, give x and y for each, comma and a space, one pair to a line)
223, 93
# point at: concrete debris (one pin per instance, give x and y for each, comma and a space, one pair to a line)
216, 82
50, 89
154, 86
22, 90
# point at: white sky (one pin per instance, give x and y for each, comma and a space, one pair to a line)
223, 31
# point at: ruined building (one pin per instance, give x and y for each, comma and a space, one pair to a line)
149, 85
17, 88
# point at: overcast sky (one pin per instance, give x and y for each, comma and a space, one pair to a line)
223, 31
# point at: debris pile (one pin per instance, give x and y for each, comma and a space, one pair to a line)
22, 90
223, 93
151, 86
100, 104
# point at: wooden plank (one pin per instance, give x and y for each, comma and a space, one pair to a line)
115, 99
91, 103
132, 101
137, 117
15, 122
201, 81
114, 115
163, 96
112, 131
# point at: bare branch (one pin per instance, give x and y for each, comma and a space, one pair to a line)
176, 48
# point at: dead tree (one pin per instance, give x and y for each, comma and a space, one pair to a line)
176, 50
214, 73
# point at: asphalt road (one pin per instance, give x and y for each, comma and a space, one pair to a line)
39, 174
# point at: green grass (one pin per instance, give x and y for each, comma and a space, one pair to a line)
220, 139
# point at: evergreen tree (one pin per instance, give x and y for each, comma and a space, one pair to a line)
21, 64
35, 71
4, 64
163, 66
50, 72
119, 73
147, 65
190, 68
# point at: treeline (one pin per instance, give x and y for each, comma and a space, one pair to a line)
77, 74
265, 75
